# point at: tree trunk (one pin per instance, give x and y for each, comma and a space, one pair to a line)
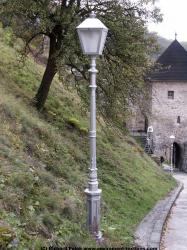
41, 96
50, 71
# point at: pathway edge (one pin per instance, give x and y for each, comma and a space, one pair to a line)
149, 232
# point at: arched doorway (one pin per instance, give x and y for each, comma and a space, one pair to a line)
177, 155
184, 157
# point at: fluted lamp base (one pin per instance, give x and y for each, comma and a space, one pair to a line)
93, 208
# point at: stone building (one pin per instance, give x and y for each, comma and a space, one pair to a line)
168, 105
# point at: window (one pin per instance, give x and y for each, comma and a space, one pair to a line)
178, 119
170, 94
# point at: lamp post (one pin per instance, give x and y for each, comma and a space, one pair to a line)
149, 141
172, 139
92, 35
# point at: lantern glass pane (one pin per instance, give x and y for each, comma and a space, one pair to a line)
90, 41
102, 42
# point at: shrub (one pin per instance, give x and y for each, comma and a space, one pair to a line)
6, 236
73, 123
9, 38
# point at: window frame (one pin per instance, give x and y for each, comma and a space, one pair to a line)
171, 94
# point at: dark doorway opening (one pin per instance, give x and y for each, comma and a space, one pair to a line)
176, 155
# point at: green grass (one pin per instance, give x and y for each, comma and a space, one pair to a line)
44, 159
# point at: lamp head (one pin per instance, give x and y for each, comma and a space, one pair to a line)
92, 35
172, 138
150, 129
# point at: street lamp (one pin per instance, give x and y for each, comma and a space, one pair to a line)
149, 140
172, 139
92, 35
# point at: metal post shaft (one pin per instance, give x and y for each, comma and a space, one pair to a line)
92, 192
171, 168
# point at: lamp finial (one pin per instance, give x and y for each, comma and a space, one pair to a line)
176, 35
92, 14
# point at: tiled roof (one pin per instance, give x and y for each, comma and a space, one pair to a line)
173, 64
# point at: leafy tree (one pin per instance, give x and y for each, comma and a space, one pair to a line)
126, 56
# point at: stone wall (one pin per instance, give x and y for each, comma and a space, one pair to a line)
136, 121
165, 113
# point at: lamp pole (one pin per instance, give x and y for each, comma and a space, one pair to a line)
92, 34
93, 192
171, 168
172, 138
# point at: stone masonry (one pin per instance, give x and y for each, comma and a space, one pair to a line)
165, 115
168, 106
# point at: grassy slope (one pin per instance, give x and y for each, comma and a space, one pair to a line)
43, 167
